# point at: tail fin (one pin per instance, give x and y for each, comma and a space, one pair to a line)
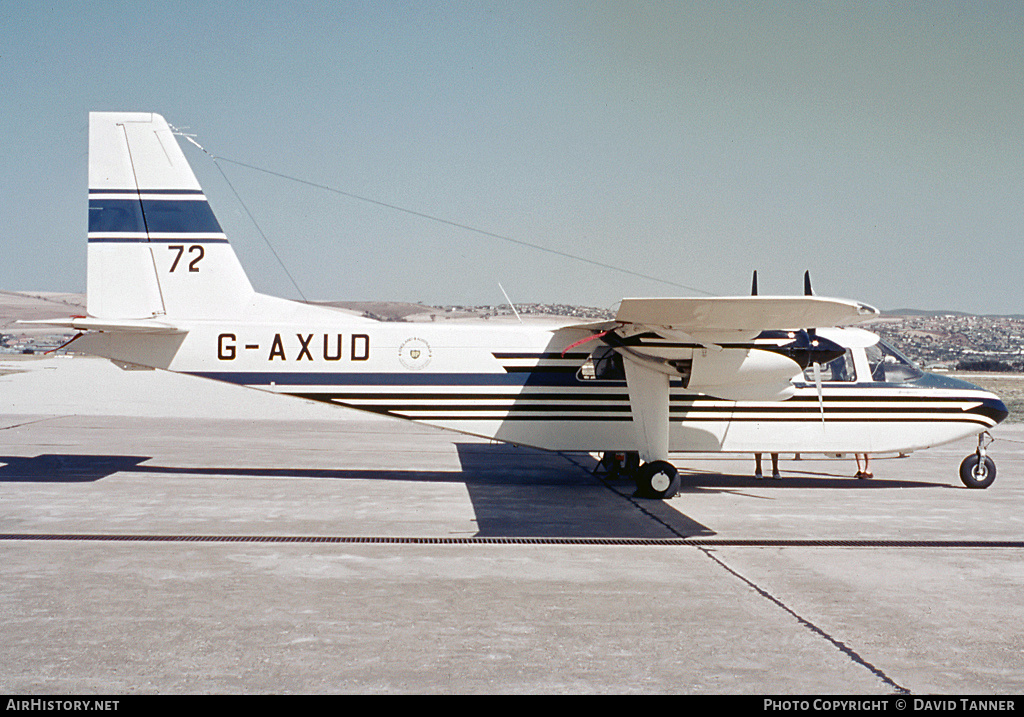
155, 247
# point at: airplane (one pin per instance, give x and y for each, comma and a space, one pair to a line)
735, 374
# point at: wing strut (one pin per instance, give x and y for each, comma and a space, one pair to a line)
648, 400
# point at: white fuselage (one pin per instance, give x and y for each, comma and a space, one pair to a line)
512, 382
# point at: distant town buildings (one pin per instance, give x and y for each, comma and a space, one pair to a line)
589, 313
21, 344
956, 341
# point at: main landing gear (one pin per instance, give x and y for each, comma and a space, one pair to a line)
656, 479
978, 470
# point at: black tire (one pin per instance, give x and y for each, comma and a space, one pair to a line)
657, 479
975, 474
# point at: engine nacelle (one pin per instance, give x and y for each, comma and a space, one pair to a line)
743, 375
732, 374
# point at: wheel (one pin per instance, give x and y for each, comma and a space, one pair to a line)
657, 479
976, 473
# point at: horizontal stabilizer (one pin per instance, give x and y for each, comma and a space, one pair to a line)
135, 326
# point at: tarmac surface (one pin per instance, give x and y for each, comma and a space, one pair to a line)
245, 543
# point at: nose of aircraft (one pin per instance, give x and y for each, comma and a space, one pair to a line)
991, 405
994, 408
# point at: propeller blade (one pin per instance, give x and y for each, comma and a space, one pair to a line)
753, 284
817, 383
807, 283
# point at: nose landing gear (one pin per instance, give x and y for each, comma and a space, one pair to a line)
977, 469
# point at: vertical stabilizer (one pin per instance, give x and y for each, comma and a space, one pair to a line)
155, 247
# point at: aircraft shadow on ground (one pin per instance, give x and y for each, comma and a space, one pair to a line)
65, 467
515, 492
480, 464
702, 480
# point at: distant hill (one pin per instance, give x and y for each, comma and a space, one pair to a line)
31, 305
921, 312
381, 310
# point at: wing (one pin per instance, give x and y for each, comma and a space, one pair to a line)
719, 346
712, 346
731, 318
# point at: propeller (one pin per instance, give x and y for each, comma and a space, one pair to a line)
806, 348
815, 341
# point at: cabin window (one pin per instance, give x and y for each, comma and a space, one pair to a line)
840, 369
605, 364
890, 366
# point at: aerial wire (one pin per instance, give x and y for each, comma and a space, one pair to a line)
252, 218
459, 225
422, 215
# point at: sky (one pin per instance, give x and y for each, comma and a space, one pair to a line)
878, 145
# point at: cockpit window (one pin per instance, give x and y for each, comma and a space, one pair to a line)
840, 369
890, 366
605, 364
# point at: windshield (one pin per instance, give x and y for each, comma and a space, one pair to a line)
890, 366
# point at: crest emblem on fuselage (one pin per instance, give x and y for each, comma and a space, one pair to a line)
414, 354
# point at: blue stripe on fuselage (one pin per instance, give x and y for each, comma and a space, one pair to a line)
197, 192
259, 378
